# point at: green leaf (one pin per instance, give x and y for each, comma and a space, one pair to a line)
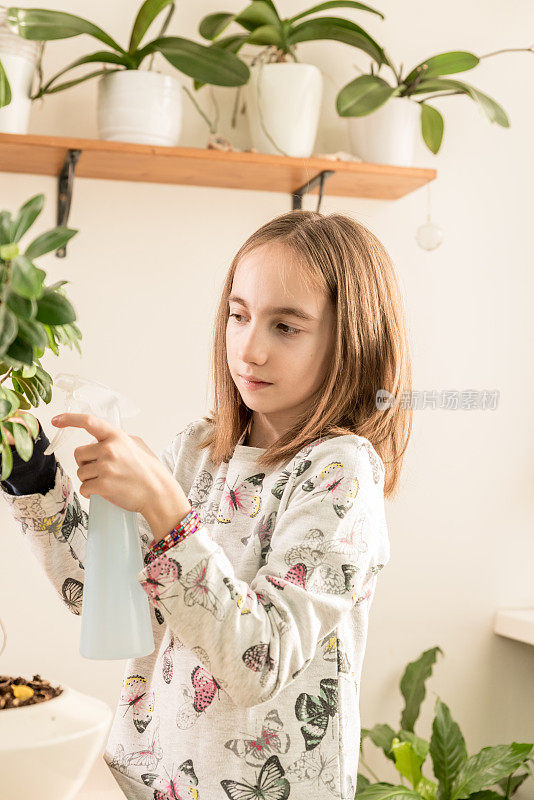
145, 17
432, 126
341, 30
54, 309
257, 14
407, 761
21, 306
447, 747
492, 110
43, 25
382, 736
11, 399
102, 56
214, 24
32, 424
27, 215
68, 84
26, 278
20, 350
364, 95
209, 64
29, 390
336, 4
5, 88
387, 791
412, 686
32, 332
7, 456
50, 240
443, 64
23, 440
6, 228
8, 328
266, 35
488, 766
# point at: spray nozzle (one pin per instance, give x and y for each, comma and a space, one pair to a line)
87, 396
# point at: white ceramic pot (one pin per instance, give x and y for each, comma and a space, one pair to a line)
48, 749
19, 57
389, 134
140, 106
283, 102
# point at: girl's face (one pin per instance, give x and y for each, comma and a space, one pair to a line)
278, 331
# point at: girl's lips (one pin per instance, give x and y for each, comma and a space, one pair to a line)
254, 384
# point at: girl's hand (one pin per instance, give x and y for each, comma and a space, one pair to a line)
119, 467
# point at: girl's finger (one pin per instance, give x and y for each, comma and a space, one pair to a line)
88, 471
86, 453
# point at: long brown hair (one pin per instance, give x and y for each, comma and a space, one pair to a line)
343, 258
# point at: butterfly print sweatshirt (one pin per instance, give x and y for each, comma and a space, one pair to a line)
260, 617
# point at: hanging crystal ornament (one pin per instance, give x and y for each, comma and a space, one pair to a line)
429, 235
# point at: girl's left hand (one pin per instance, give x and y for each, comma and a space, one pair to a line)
119, 467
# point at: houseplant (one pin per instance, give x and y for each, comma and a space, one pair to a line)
134, 104
283, 95
488, 775
385, 118
33, 317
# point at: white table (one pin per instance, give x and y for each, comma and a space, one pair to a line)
100, 784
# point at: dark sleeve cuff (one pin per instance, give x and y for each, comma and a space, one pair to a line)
36, 475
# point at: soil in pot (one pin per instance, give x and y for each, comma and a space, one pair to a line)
15, 692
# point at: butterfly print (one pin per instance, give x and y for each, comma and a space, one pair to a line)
245, 604
72, 591
134, 695
246, 497
281, 483
270, 740
148, 757
162, 572
297, 575
181, 787
310, 555
258, 659
270, 784
264, 535
278, 583
75, 517
332, 481
333, 651
315, 711
205, 688
197, 591
319, 768
167, 664
201, 488
376, 463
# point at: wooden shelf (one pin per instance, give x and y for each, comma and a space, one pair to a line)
515, 623
123, 161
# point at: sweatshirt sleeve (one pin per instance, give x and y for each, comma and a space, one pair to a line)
53, 521
327, 547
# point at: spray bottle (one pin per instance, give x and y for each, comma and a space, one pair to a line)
115, 609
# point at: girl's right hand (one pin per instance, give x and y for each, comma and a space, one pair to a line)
15, 418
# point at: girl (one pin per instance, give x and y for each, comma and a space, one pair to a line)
261, 593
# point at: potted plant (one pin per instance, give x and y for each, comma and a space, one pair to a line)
134, 104
487, 775
33, 317
42, 724
18, 59
283, 95
385, 118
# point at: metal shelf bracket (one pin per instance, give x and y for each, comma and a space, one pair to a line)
64, 193
311, 184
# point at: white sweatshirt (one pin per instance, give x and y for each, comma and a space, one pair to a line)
260, 621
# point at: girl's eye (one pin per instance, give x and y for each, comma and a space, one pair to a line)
288, 332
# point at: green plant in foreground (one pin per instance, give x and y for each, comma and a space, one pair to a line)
207, 64
368, 92
33, 317
487, 775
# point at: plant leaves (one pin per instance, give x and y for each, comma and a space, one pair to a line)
21, 351
492, 110
258, 14
54, 309
44, 25
336, 4
50, 240
412, 686
27, 215
364, 95
443, 64
209, 64
432, 126
8, 328
339, 29
266, 35
7, 456
102, 56
26, 278
488, 766
447, 747
145, 17
5, 88
214, 24
32, 332
387, 791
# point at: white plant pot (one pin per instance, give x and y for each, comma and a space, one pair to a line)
48, 749
389, 134
283, 102
19, 57
140, 106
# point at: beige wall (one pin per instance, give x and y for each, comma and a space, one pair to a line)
146, 270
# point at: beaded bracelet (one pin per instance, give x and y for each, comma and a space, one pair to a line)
189, 524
